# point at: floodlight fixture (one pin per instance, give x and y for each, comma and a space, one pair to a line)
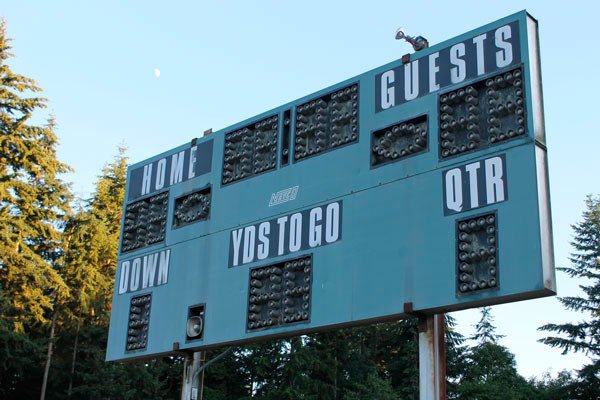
418, 43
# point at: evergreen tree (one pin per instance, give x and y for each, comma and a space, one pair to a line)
491, 374
490, 371
33, 201
106, 203
90, 264
583, 336
19, 356
378, 361
456, 357
485, 331
91, 245
559, 388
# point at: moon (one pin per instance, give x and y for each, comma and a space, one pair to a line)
157, 72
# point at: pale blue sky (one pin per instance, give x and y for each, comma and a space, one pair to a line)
223, 62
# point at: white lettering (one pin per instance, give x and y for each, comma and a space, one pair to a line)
163, 267
478, 40
124, 277
459, 72
149, 270
237, 240
135, 275
474, 191
144, 269
454, 190
147, 177
411, 80
433, 70
273, 200
295, 232
388, 97
504, 56
332, 222
161, 169
314, 230
294, 192
263, 236
249, 242
192, 167
177, 167
281, 221
493, 180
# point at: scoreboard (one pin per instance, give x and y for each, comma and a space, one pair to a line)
419, 186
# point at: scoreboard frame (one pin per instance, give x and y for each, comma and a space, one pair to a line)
390, 193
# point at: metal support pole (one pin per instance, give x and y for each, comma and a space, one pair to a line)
202, 362
190, 367
432, 358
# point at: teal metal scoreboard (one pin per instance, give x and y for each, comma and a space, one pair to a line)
418, 187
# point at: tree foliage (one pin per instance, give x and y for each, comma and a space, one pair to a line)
34, 201
485, 330
583, 336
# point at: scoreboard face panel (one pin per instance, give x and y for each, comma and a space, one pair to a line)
420, 185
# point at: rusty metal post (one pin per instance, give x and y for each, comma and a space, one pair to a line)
192, 387
202, 362
191, 365
432, 358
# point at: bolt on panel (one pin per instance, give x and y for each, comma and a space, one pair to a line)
482, 114
250, 150
280, 294
192, 207
145, 222
399, 141
326, 123
139, 318
477, 253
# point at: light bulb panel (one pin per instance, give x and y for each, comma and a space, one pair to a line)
280, 294
250, 150
192, 207
399, 141
482, 114
326, 123
137, 325
477, 254
145, 222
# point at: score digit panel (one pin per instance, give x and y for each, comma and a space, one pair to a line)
420, 185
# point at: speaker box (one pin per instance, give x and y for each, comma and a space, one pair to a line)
194, 327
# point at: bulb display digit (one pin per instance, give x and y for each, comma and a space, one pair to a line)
137, 326
399, 141
279, 294
326, 123
145, 222
192, 207
477, 253
482, 114
250, 150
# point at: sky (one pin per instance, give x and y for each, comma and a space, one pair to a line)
222, 62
